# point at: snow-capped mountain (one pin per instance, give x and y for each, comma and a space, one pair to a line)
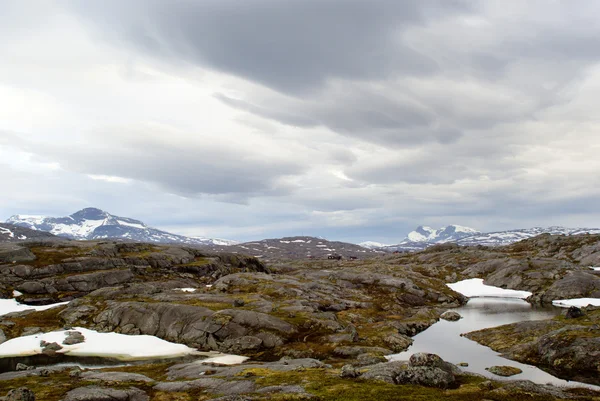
424, 237
12, 233
92, 223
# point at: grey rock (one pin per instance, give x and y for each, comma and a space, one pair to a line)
20, 394
2, 336
212, 385
27, 331
282, 390
73, 337
504, 371
50, 348
451, 316
370, 359
426, 376
241, 344
115, 377
574, 312
349, 371
96, 393
353, 352
386, 372
22, 366
398, 342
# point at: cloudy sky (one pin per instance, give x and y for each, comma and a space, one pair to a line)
349, 119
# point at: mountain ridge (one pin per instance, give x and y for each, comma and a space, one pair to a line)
92, 223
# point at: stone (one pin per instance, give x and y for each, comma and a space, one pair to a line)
20, 394
115, 377
349, 372
486, 385
504, 371
22, 366
73, 337
463, 364
96, 393
370, 359
50, 348
574, 312
238, 303
451, 316
2, 336
241, 344
27, 331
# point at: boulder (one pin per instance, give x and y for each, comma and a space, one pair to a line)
451, 316
73, 337
574, 312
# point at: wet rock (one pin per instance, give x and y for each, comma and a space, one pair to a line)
20, 394
504, 371
96, 393
574, 312
74, 337
451, 316
349, 372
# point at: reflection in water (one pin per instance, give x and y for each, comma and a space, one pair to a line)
443, 338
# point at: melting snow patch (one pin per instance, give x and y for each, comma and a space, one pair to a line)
113, 345
187, 289
11, 305
17, 293
474, 287
595, 268
226, 360
579, 302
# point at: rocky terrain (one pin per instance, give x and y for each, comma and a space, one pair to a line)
92, 223
301, 247
12, 233
313, 328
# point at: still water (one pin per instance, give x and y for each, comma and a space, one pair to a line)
443, 338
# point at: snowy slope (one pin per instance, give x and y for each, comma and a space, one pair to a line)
424, 237
92, 223
13, 233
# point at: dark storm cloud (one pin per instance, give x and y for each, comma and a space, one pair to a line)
291, 46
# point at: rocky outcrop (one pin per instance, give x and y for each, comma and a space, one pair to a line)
96, 393
569, 348
20, 394
451, 316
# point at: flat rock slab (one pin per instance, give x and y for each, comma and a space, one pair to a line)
95, 393
115, 377
214, 386
504, 371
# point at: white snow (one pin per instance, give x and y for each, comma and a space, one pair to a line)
226, 360
298, 240
186, 289
372, 244
7, 231
17, 293
209, 285
579, 302
474, 287
284, 242
463, 229
11, 305
114, 345
85, 228
595, 268
124, 223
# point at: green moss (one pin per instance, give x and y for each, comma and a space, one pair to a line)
47, 320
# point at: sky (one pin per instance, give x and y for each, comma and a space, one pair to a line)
353, 120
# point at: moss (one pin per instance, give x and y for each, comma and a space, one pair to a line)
45, 256
47, 320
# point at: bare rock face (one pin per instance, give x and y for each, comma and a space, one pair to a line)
451, 316
96, 393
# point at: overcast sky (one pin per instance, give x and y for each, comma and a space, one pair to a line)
349, 119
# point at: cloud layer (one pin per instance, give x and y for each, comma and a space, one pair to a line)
350, 119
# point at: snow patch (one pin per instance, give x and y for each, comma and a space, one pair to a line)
113, 345
474, 287
579, 302
226, 360
186, 289
11, 305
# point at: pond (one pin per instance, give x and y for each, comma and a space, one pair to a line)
443, 338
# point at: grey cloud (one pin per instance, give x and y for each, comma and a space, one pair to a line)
292, 46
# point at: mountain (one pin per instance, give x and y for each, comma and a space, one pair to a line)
299, 248
12, 233
372, 245
424, 237
92, 223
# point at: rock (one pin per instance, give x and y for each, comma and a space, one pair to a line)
386, 372
282, 390
451, 316
464, 364
238, 303
349, 372
215, 386
2, 336
96, 393
114, 377
426, 376
504, 371
241, 344
353, 352
50, 348
486, 385
73, 337
22, 366
370, 359
398, 342
20, 394
574, 312
27, 331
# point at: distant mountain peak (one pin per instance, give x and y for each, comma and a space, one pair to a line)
92, 223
